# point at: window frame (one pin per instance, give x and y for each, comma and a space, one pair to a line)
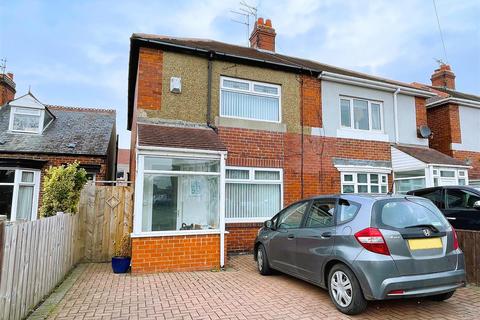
17, 183
251, 180
369, 184
251, 91
185, 154
278, 216
41, 118
352, 118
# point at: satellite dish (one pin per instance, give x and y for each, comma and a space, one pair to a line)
424, 132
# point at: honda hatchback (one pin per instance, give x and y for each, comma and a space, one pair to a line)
363, 247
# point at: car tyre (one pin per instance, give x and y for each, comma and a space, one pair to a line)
345, 291
262, 261
442, 296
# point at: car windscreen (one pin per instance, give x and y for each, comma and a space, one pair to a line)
408, 212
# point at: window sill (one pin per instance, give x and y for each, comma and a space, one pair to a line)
362, 135
173, 233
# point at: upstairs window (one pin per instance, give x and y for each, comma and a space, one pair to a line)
29, 120
250, 100
361, 114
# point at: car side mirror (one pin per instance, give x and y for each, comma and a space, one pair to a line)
476, 205
269, 224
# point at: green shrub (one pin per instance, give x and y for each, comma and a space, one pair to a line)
62, 186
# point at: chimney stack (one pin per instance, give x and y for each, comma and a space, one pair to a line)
7, 88
443, 77
263, 35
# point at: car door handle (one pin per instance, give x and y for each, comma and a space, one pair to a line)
326, 235
451, 218
290, 237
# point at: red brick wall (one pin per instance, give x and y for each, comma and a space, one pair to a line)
149, 80
240, 236
254, 148
319, 173
310, 93
175, 253
444, 122
57, 160
7, 91
421, 111
474, 157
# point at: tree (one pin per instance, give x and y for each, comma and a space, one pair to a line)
62, 186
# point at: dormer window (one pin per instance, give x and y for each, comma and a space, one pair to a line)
28, 115
26, 120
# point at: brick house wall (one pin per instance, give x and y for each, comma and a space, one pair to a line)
444, 122
176, 253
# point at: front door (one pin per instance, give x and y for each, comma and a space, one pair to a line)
315, 240
459, 209
283, 244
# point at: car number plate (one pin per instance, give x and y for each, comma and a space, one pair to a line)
422, 244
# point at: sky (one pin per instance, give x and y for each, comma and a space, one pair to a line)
75, 53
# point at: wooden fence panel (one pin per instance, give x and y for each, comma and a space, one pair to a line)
36, 257
469, 242
106, 213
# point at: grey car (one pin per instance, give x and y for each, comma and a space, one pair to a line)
364, 247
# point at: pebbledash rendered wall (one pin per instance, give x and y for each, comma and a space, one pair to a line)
285, 145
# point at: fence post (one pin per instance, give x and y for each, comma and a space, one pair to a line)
3, 221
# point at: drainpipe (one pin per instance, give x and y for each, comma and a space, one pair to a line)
211, 55
395, 113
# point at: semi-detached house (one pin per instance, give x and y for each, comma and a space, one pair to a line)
224, 136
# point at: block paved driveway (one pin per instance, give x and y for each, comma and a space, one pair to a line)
238, 293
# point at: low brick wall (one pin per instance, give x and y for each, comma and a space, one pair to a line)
176, 253
241, 236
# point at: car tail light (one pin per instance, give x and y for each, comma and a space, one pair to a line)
396, 292
372, 240
455, 239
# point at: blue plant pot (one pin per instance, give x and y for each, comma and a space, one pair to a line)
121, 264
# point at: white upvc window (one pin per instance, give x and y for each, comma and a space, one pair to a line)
364, 182
178, 194
29, 120
251, 100
449, 176
361, 114
252, 194
19, 189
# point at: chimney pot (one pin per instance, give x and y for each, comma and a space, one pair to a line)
268, 23
260, 21
10, 75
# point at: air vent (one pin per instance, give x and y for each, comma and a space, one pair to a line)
71, 145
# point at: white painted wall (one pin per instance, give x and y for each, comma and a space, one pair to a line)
469, 125
331, 92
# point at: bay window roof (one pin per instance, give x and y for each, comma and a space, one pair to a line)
172, 136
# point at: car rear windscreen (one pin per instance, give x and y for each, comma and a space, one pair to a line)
407, 212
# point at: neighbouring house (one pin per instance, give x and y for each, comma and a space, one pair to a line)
454, 117
35, 136
224, 136
123, 165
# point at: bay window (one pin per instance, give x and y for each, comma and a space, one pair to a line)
361, 114
180, 194
363, 182
409, 180
250, 100
19, 190
252, 194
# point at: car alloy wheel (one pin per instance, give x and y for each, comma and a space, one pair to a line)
341, 288
260, 260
